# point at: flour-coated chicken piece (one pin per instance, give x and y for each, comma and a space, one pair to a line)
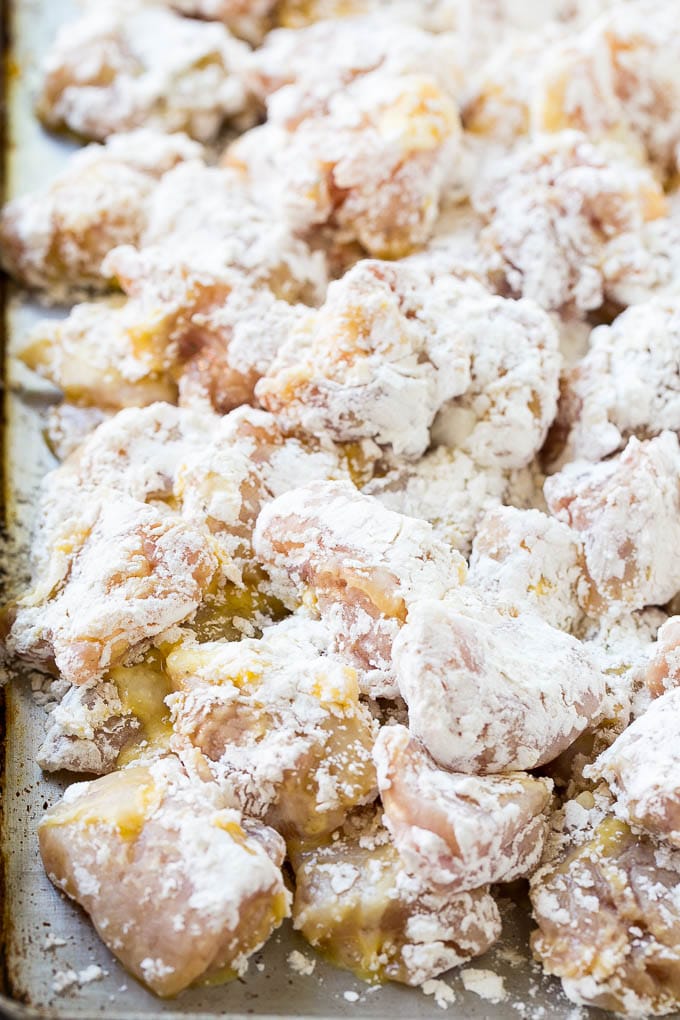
552, 208
178, 883
455, 830
56, 239
358, 564
129, 65
491, 688
626, 512
356, 902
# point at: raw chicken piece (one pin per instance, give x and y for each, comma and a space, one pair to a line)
628, 384
663, 672
529, 558
368, 161
641, 769
392, 345
88, 729
491, 689
197, 207
127, 65
360, 565
446, 488
503, 418
190, 325
456, 830
355, 901
215, 473
249, 463
609, 923
179, 885
552, 208
118, 573
56, 239
380, 357
497, 102
278, 723
107, 354
626, 512
107, 724
223, 328
618, 79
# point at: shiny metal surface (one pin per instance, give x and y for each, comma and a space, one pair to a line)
32, 909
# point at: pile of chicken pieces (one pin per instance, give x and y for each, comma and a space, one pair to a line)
362, 554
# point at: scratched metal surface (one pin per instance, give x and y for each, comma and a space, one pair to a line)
33, 909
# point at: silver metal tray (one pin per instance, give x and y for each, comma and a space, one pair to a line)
32, 912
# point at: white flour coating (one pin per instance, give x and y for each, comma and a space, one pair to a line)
663, 671
377, 361
607, 910
624, 649
446, 488
212, 207
644, 265
249, 462
443, 994
490, 690
332, 53
108, 353
363, 565
484, 983
198, 870
264, 716
503, 417
122, 572
618, 79
393, 345
87, 730
193, 323
551, 210
626, 511
137, 453
369, 161
456, 830
67, 426
628, 384
56, 239
527, 558
248, 19
124, 66
218, 328
412, 931
301, 964
640, 768
67, 979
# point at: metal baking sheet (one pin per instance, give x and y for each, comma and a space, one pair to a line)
33, 913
